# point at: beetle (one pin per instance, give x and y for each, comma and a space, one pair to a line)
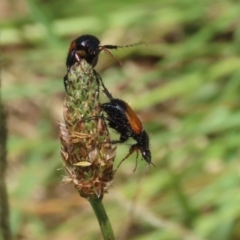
123, 119
88, 47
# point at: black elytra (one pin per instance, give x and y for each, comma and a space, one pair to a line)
87, 47
124, 120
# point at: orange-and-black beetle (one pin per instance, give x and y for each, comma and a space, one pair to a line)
124, 120
87, 47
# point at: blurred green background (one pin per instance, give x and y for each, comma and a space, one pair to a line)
184, 85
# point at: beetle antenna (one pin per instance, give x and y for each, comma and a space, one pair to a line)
122, 46
106, 47
110, 54
152, 164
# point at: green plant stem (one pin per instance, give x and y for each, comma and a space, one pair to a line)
102, 217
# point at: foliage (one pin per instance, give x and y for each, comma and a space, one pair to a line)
184, 85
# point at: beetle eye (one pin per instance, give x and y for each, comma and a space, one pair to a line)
146, 155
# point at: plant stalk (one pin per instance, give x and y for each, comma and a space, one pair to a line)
102, 217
